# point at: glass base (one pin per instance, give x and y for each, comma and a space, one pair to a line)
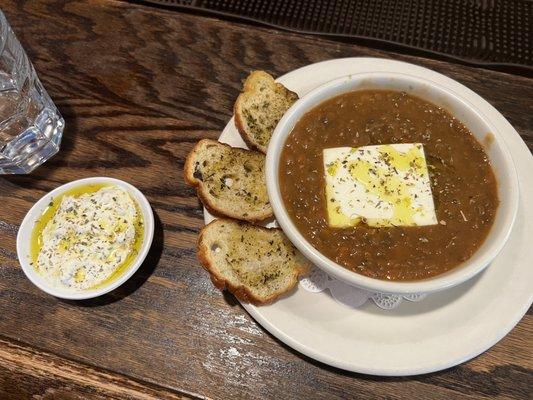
34, 146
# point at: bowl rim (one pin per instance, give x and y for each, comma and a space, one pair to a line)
27, 225
440, 282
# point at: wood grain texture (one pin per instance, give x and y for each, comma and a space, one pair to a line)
27, 372
138, 87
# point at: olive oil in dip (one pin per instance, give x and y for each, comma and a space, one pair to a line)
96, 212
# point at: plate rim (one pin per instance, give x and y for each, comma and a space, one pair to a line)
304, 349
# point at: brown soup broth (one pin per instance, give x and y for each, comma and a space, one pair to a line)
462, 181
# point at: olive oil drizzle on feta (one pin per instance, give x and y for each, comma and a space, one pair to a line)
48, 214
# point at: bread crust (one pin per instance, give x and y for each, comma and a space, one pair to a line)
203, 195
239, 291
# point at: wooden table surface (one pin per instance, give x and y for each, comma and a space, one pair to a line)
137, 87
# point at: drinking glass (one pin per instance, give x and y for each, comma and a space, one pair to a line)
30, 125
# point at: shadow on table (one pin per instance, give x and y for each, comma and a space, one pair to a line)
139, 277
231, 300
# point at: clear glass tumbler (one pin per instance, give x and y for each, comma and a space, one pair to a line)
30, 125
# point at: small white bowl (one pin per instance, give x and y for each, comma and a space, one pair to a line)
26, 229
479, 125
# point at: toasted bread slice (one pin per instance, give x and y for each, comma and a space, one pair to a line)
229, 181
255, 263
259, 108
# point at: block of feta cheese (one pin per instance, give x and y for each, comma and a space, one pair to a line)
384, 185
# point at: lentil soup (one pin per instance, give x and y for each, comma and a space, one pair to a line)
462, 182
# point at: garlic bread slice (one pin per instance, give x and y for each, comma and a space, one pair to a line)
230, 181
259, 108
255, 263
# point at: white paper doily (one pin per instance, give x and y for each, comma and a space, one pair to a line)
318, 281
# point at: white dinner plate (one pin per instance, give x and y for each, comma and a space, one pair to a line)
445, 329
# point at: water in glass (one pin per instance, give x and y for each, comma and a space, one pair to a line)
30, 125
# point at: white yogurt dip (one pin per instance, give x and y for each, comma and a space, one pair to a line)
88, 238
